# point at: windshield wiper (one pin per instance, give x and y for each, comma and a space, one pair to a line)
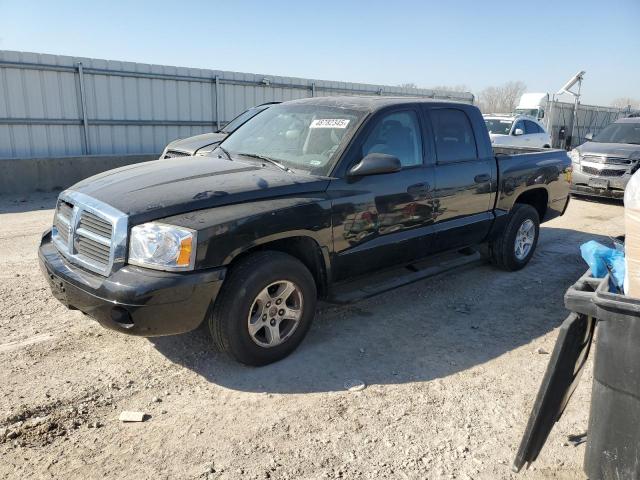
224, 150
267, 159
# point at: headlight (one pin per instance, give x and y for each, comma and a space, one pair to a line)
575, 156
163, 247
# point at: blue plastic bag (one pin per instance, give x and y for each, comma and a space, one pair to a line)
603, 259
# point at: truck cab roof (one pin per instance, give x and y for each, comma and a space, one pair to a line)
369, 103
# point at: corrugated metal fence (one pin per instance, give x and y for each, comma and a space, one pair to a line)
53, 105
589, 119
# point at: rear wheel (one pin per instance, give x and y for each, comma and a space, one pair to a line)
265, 308
515, 247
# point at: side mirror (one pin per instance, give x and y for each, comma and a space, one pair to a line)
518, 131
589, 137
374, 164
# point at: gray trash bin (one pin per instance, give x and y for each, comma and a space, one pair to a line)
613, 441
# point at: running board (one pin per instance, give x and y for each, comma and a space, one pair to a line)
359, 289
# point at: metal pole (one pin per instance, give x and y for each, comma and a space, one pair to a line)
549, 120
574, 120
313, 89
217, 84
83, 108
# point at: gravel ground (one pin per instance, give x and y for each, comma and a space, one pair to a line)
451, 366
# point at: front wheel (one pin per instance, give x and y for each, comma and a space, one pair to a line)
265, 308
515, 247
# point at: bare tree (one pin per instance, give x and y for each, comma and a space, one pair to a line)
501, 99
624, 102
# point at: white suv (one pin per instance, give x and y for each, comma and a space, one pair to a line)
517, 131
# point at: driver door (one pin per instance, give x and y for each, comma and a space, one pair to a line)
518, 140
384, 220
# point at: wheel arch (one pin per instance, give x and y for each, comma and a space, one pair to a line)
538, 198
300, 245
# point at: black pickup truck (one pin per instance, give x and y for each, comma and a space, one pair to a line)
299, 199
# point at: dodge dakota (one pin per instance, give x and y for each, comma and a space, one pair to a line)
301, 198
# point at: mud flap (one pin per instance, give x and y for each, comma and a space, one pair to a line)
560, 380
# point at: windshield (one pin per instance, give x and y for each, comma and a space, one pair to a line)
240, 119
532, 112
502, 127
300, 137
620, 133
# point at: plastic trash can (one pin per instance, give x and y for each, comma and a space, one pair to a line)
613, 440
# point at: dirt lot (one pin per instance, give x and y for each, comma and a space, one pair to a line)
451, 366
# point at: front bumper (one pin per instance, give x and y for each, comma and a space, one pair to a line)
132, 300
615, 189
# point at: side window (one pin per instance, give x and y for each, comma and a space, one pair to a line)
396, 134
530, 127
453, 134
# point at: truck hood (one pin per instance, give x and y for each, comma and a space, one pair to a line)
192, 144
622, 150
161, 188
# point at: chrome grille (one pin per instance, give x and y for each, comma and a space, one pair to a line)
607, 160
62, 220
93, 250
93, 238
89, 233
176, 153
605, 172
94, 224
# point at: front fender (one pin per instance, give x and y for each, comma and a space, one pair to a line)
228, 231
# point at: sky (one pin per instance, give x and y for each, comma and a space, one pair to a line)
448, 42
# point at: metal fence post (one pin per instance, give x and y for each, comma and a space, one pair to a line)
313, 89
83, 109
216, 81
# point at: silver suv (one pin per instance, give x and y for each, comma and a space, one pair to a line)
603, 165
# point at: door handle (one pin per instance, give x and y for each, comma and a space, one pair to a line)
418, 189
484, 177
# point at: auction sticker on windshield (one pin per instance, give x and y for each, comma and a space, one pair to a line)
330, 123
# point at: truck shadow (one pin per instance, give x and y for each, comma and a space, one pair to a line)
427, 330
595, 199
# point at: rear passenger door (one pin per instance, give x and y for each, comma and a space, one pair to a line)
531, 134
535, 132
464, 177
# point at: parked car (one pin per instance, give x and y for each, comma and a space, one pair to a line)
301, 198
603, 165
205, 143
517, 131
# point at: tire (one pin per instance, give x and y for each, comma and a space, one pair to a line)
503, 250
251, 284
